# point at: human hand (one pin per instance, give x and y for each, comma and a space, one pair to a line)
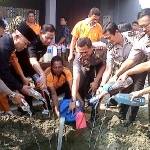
26, 89
123, 77
26, 81
135, 94
16, 98
72, 105
41, 83
93, 87
99, 90
70, 57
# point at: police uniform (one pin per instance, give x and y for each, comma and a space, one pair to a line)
142, 46
88, 69
138, 52
117, 54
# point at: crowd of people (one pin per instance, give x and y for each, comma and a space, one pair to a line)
100, 54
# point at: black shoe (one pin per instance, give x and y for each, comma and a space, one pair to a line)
122, 117
127, 123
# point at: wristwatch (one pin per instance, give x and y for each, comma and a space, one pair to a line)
12, 96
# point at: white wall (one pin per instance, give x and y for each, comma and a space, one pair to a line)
128, 10
50, 16
121, 10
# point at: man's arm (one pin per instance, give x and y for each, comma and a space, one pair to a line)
55, 99
75, 84
125, 66
36, 66
16, 96
72, 46
139, 68
106, 74
100, 73
94, 85
141, 92
4, 88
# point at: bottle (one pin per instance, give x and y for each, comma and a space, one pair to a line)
37, 96
25, 106
95, 99
63, 48
123, 84
120, 85
59, 50
49, 53
36, 78
54, 50
123, 98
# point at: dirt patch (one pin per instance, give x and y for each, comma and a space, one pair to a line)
39, 132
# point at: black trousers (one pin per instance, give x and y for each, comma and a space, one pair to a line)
138, 84
64, 89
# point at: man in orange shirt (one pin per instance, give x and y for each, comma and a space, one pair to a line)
59, 81
88, 27
30, 21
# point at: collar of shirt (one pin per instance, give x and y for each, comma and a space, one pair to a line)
87, 21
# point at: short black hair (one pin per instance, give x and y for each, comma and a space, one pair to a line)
48, 28
110, 27
65, 18
30, 12
124, 27
134, 22
2, 24
81, 42
144, 12
94, 11
56, 58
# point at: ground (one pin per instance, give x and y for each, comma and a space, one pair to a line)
39, 133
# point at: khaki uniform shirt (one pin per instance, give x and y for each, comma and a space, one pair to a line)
97, 57
117, 54
140, 47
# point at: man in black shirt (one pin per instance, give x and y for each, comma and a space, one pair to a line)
29, 58
18, 40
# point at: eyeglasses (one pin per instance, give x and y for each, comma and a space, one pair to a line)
145, 26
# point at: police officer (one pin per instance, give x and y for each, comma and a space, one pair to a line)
139, 48
116, 55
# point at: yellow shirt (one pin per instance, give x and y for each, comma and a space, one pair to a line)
82, 29
57, 82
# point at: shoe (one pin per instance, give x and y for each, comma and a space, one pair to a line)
127, 123
122, 117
